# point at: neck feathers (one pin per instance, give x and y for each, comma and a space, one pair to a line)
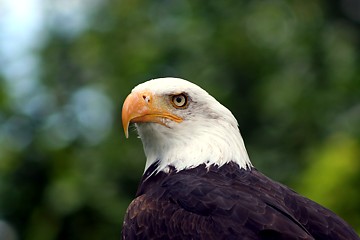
213, 142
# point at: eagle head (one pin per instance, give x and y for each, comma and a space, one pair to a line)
182, 126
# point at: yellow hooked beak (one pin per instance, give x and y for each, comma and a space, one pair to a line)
145, 107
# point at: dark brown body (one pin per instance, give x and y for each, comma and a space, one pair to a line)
226, 203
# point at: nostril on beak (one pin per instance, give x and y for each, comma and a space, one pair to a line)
146, 98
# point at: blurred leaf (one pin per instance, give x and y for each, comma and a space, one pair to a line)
334, 171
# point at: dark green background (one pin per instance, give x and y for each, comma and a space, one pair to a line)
288, 70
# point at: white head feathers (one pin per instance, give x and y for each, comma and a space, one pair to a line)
208, 134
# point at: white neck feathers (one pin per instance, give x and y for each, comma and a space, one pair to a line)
209, 142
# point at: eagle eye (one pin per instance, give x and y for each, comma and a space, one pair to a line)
179, 100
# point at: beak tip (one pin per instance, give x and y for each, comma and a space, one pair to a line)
126, 130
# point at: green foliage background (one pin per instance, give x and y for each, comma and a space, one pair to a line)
288, 70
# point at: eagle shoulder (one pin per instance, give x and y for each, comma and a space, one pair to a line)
210, 204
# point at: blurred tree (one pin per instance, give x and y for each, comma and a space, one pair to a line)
288, 70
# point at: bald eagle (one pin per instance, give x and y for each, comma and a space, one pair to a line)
199, 182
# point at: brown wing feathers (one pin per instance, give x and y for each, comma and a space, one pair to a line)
226, 203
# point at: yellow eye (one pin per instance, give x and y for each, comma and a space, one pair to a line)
179, 101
